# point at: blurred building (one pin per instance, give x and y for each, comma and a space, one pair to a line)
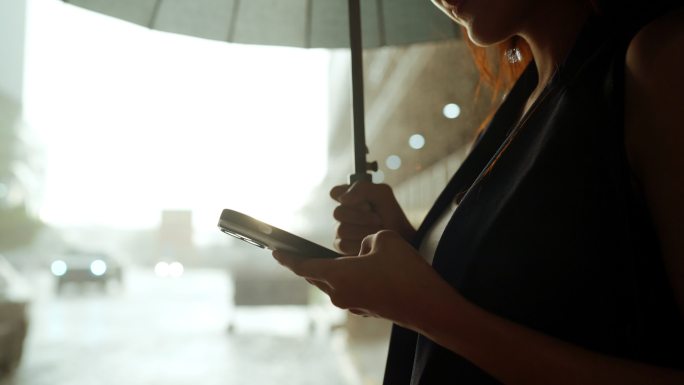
176, 237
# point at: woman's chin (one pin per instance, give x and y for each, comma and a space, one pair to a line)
484, 37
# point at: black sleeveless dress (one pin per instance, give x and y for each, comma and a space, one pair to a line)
555, 235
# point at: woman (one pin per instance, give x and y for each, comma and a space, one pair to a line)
554, 255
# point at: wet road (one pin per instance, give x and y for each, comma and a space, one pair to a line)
173, 331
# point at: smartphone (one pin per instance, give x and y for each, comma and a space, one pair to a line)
263, 235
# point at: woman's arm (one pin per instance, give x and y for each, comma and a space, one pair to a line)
654, 133
391, 281
518, 355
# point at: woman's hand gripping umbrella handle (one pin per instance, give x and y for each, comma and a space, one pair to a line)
364, 209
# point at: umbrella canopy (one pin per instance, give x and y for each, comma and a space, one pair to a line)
295, 23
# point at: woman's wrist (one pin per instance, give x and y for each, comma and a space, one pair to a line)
438, 310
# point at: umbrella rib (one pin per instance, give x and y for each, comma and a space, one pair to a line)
155, 12
233, 21
381, 23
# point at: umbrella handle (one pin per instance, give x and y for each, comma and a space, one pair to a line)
353, 178
364, 176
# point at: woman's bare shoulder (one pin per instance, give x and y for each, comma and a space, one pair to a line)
654, 83
654, 132
657, 44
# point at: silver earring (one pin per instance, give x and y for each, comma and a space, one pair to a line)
513, 55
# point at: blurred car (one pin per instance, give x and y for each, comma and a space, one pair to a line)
14, 319
78, 266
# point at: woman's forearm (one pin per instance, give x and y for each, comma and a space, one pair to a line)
515, 354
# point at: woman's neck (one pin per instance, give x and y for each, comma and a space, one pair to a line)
551, 33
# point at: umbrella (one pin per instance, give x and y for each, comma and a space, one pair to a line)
295, 23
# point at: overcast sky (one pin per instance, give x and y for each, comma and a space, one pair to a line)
135, 121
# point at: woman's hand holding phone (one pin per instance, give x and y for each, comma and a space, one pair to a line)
364, 209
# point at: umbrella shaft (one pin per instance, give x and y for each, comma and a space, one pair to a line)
358, 130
